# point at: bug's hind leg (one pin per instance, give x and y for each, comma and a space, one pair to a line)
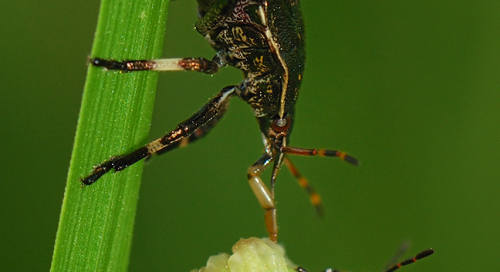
214, 108
264, 196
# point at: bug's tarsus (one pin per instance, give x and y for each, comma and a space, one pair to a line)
117, 163
97, 173
109, 64
419, 256
351, 160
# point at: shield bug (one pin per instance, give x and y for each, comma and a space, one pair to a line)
264, 39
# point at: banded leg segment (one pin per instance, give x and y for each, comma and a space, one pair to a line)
264, 196
419, 256
197, 134
319, 152
313, 195
214, 108
178, 64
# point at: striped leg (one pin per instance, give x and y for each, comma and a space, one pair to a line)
191, 64
313, 195
419, 256
264, 196
197, 134
184, 130
319, 152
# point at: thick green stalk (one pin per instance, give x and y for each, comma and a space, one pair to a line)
96, 223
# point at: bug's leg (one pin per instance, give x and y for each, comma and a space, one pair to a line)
313, 195
419, 256
394, 267
178, 64
183, 130
403, 248
197, 134
264, 196
319, 152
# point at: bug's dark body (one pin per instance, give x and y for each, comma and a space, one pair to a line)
269, 52
264, 39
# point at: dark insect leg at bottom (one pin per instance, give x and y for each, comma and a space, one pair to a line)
392, 268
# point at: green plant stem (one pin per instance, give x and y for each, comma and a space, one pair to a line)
96, 223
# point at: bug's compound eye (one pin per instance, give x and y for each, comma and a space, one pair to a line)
281, 124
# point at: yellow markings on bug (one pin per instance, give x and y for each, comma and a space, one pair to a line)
258, 61
239, 34
269, 89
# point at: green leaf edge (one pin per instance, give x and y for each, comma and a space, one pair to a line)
96, 222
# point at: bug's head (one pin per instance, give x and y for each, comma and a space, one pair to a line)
279, 129
276, 130
276, 134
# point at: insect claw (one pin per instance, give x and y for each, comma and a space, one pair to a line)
97, 172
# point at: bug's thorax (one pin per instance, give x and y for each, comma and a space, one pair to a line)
264, 39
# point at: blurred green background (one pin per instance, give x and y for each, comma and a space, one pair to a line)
411, 88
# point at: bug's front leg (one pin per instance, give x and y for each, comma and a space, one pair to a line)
264, 196
177, 64
209, 111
